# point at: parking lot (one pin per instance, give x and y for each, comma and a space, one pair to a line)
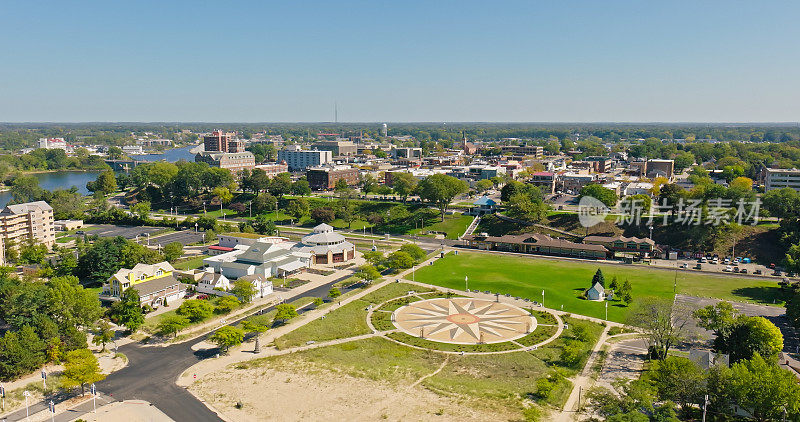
186, 237
721, 267
128, 232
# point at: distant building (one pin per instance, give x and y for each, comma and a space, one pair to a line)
299, 160
325, 177
622, 243
638, 188
155, 283
326, 246
53, 143
660, 168
526, 150
384, 130
337, 147
217, 141
410, 154
535, 243
154, 142
66, 225
273, 169
482, 206
263, 258
545, 180
31, 220
781, 178
233, 161
133, 150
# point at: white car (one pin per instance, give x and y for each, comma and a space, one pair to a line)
728, 269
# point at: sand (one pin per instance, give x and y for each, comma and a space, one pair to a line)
269, 394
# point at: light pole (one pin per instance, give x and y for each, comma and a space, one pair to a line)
606, 310
93, 389
27, 394
148, 238
542, 298
251, 209
466, 283
52, 411
195, 227
44, 379
3, 396
651, 231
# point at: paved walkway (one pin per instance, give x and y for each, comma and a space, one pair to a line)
581, 382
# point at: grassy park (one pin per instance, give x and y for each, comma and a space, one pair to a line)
564, 280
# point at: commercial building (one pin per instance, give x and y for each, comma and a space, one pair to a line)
326, 246
31, 220
660, 168
411, 154
535, 243
526, 150
217, 141
155, 283
622, 243
325, 177
299, 160
233, 161
781, 178
265, 258
273, 169
53, 143
337, 147
545, 180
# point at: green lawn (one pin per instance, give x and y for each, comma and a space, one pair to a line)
563, 281
190, 264
453, 225
347, 321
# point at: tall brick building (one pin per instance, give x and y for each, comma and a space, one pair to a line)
324, 178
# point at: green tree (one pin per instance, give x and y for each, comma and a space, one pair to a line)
297, 208
301, 188
280, 185
341, 186
677, 379
400, 260
32, 253
483, 185
80, 368
368, 273
322, 215
226, 337
196, 310
173, 251
374, 257
284, 312
127, 311
223, 194
740, 336
244, 290
103, 334
105, 184
141, 209
403, 184
604, 195
599, 278
318, 302
226, 304
764, 389
334, 292
415, 251
257, 329
440, 190
170, 325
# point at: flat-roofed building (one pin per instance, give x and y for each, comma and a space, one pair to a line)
273, 169
781, 178
545, 180
337, 147
325, 177
299, 160
663, 168
31, 220
217, 141
411, 154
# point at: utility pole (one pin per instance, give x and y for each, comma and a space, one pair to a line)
705, 405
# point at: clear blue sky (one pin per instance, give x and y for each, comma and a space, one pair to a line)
531, 61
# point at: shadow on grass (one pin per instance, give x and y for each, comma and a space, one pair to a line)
763, 294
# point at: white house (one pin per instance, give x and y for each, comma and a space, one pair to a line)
262, 285
596, 292
210, 281
262, 258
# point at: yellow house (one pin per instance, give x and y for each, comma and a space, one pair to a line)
153, 282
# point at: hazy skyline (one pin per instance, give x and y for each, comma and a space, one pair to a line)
615, 61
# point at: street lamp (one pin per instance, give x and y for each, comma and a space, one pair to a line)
195, 227
466, 283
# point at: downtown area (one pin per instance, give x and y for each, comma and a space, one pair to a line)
540, 272
515, 211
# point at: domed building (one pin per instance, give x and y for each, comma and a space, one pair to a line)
326, 246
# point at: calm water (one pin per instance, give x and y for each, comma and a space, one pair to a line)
171, 155
61, 179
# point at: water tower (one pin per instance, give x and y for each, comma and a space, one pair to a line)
384, 130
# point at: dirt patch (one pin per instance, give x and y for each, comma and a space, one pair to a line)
268, 394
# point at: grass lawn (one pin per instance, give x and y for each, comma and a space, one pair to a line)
355, 224
563, 281
347, 321
453, 225
190, 264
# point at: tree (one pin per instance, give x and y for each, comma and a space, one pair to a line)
441, 189
173, 251
374, 257
103, 334
170, 325
301, 187
677, 379
297, 208
334, 292
599, 278
322, 215
415, 251
341, 186
226, 304
244, 290
280, 185
284, 312
640, 203
80, 368
740, 336
403, 184
400, 260
663, 322
604, 195
368, 273
257, 329
105, 184
141, 209
764, 389
226, 337
526, 206
318, 302
483, 185
32, 252
223, 194
128, 311
196, 310
782, 203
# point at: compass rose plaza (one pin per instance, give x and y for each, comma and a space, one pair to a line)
464, 320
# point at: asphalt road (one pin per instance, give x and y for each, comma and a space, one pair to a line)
185, 237
152, 371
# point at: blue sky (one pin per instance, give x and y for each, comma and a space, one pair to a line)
529, 61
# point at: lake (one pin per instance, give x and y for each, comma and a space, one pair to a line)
59, 179
171, 155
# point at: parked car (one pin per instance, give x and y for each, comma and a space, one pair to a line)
726, 261
684, 265
790, 274
772, 266
777, 273
698, 267
736, 269
743, 271
728, 269
757, 272
703, 260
